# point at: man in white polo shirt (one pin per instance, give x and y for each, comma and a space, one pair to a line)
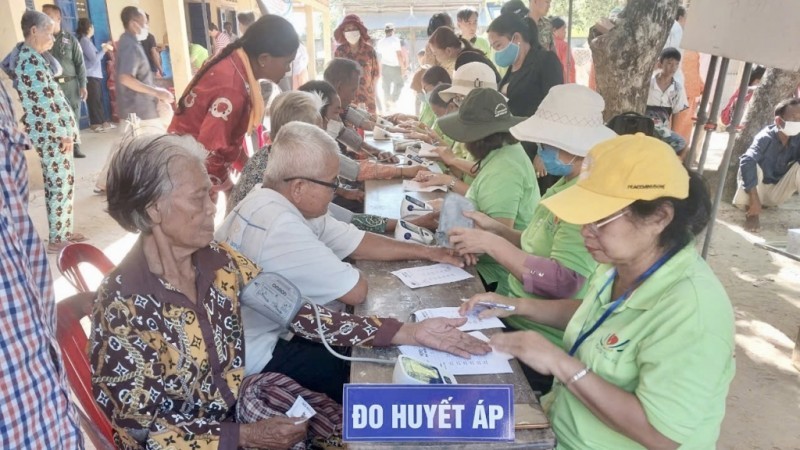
284, 226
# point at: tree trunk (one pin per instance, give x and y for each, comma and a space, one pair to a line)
776, 85
624, 57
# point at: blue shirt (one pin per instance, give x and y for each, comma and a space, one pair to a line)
92, 57
771, 155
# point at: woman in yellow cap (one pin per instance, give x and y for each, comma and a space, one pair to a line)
647, 356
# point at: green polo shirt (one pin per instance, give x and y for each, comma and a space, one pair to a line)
671, 344
548, 237
505, 188
426, 115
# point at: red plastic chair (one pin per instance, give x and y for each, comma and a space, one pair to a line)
73, 255
74, 344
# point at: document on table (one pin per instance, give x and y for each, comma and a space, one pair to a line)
489, 363
417, 277
416, 186
451, 312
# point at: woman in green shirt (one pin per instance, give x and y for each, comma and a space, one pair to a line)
647, 358
548, 259
504, 187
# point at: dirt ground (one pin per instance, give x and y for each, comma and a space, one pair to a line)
763, 407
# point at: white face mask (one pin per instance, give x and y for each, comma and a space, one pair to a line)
352, 36
791, 128
143, 33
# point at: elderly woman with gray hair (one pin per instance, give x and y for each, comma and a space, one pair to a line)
49, 122
167, 346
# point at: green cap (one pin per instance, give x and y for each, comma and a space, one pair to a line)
484, 112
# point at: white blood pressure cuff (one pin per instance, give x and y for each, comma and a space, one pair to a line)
356, 116
348, 168
274, 297
351, 139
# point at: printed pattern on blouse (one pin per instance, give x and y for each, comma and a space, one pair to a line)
367, 58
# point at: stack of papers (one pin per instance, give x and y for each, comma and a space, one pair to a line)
417, 277
451, 312
416, 186
493, 362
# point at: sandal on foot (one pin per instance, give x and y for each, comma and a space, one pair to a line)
76, 237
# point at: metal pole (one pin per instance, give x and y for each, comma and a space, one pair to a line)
711, 125
726, 159
702, 112
569, 40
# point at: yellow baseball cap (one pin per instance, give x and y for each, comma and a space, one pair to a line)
616, 173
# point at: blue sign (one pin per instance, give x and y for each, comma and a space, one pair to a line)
425, 413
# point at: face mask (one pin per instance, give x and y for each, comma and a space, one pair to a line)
508, 55
791, 128
333, 128
552, 164
143, 34
352, 36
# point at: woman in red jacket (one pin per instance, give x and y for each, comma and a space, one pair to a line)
223, 101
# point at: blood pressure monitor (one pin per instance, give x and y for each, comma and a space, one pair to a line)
413, 207
410, 371
408, 232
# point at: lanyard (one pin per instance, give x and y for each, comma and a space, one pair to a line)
583, 335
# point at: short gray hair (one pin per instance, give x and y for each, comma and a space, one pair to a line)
32, 19
139, 176
294, 106
299, 149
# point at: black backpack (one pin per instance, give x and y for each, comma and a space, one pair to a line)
632, 123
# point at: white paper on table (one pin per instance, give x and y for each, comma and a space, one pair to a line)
417, 277
301, 409
451, 312
476, 365
416, 186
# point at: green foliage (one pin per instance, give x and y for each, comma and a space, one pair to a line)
584, 13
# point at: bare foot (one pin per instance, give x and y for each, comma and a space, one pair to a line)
752, 224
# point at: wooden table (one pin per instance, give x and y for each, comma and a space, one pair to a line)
389, 297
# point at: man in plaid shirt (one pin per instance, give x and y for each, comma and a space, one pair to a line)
35, 402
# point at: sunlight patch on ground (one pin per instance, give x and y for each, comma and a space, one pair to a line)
765, 344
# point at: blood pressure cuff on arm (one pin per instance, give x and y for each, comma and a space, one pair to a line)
274, 297
351, 139
348, 168
356, 116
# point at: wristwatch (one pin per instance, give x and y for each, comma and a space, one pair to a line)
452, 184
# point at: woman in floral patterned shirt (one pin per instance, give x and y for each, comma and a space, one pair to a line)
167, 348
51, 126
355, 45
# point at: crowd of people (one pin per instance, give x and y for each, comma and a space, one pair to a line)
588, 236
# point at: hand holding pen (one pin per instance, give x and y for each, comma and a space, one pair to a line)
489, 304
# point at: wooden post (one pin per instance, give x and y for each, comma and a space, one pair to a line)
312, 52
327, 36
178, 38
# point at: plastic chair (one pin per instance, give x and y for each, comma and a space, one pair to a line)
73, 255
74, 343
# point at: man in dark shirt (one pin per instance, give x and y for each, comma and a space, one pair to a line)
151, 50
769, 171
67, 51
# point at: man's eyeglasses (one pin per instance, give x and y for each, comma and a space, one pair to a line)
336, 184
594, 227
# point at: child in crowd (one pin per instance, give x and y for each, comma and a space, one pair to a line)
666, 98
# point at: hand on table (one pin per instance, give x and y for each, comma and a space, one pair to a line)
441, 334
444, 154
274, 433
388, 157
445, 256
486, 312
428, 178
356, 195
531, 348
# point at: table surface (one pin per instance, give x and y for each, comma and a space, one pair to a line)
389, 297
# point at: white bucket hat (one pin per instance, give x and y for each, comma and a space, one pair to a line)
569, 118
468, 77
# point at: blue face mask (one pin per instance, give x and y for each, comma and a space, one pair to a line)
552, 164
508, 55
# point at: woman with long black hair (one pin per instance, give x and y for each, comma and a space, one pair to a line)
223, 101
